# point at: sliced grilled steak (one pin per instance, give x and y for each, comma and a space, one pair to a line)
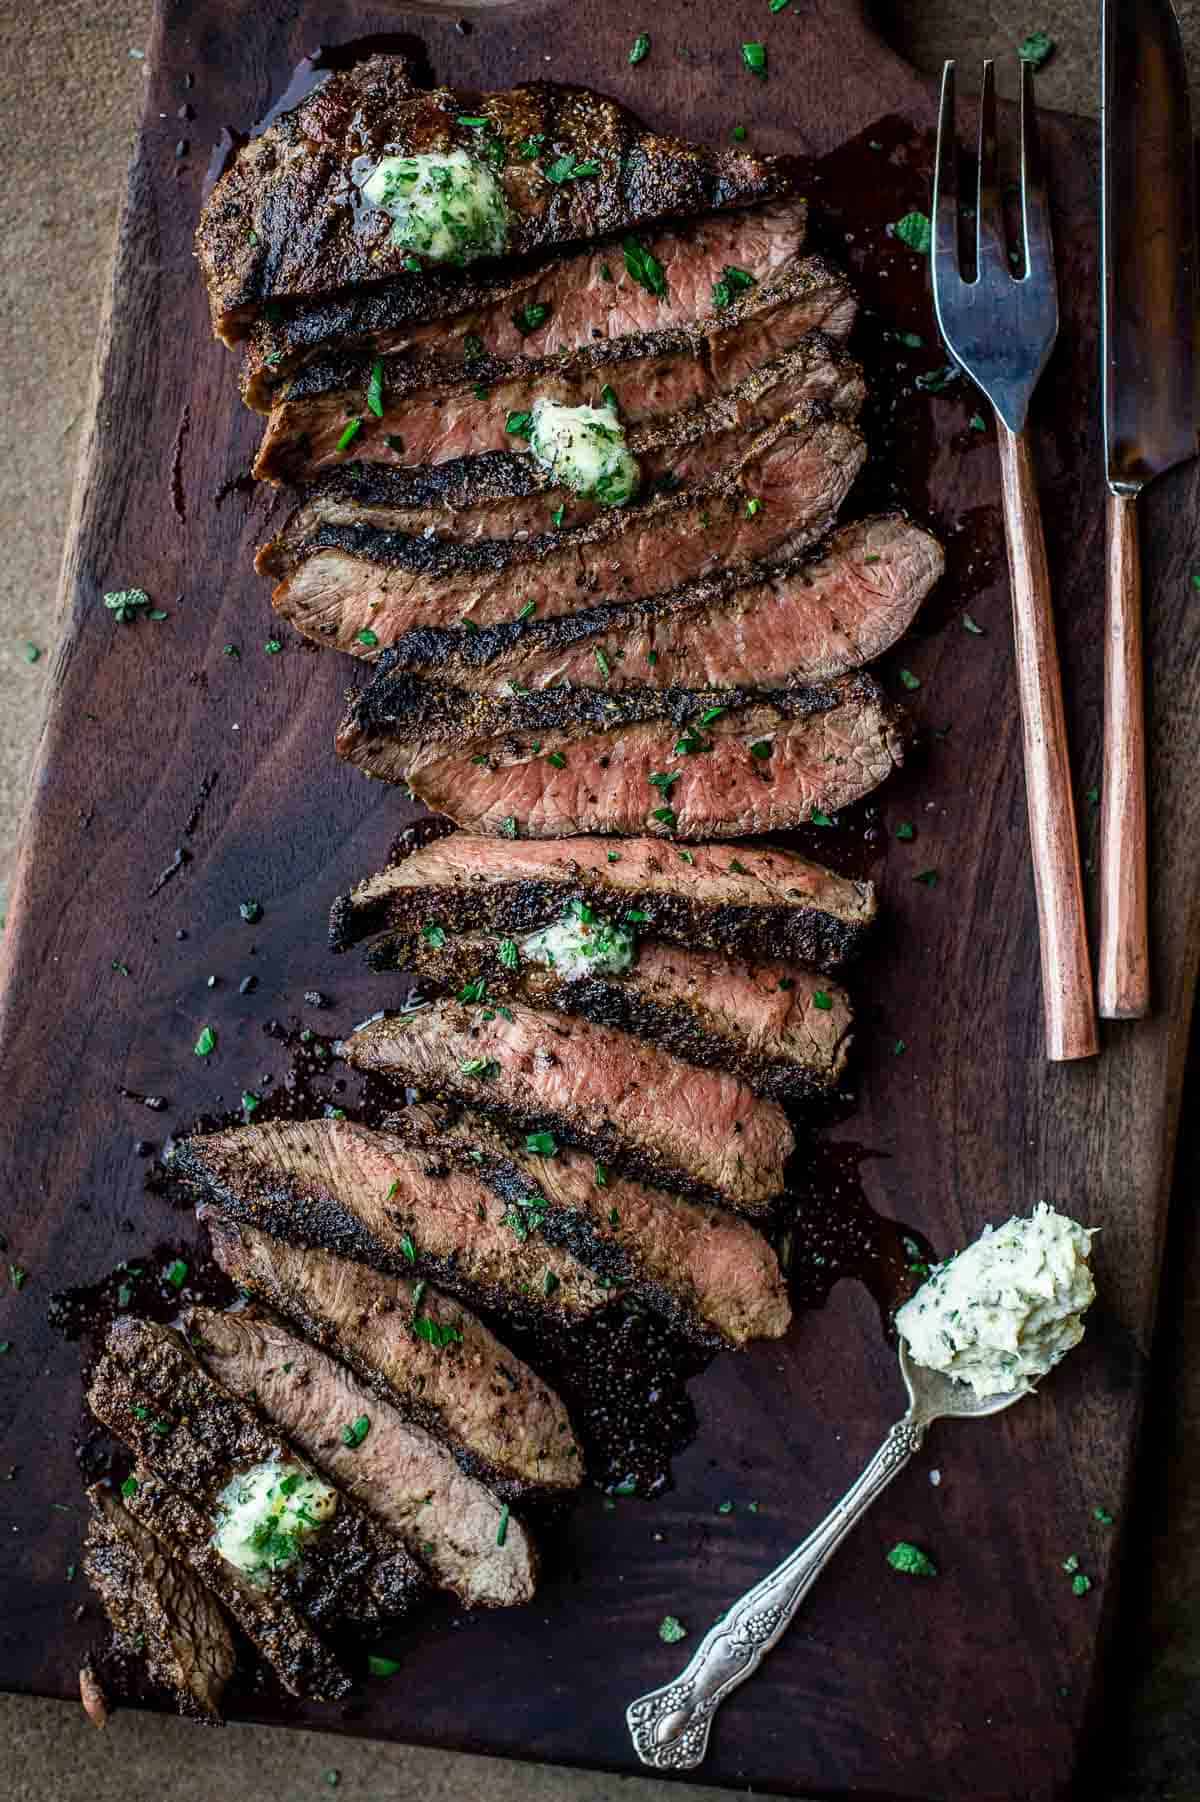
398, 1472
627, 1103
148, 1389
276, 1625
818, 615
159, 1612
507, 494
743, 900
498, 1418
338, 1186
287, 218
785, 1030
711, 1274
435, 410
360, 589
589, 294
572, 760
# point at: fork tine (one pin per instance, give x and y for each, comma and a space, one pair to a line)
1035, 203
945, 185
989, 217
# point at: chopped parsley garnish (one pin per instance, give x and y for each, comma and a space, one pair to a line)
529, 148
753, 506
556, 760
502, 1527
820, 819
1103, 1516
686, 857
474, 990
529, 317
641, 47
762, 749
434, 936
129, 604
731, 281
911, 1561
899, 1048
969, 625
434, 1333
176, 1273
822, 1000
664, 779
528, 610
250, 1103
17, 1276
906, 830
755, 58
251, 912
508, 827
542, 1145
738, 134
375, 389
644, 267
367, 637
1080, 1584
556, 518
602, 663
977, 422
472, 346
666, 816
353, 428
1037, 48
909, 680
671, 1631
30, 651
637, 916
549, 1282
938, 380
508, 954
408, 1248
928, 877
916, 231
569, 168
273, 646
395, 443
724, 1507
206, 1043
486, 1067
519, 425
382, 1667
601, 1176
129, 1486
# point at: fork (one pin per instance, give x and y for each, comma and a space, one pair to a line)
1000, 329
670, 1726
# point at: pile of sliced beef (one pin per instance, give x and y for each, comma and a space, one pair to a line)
608, 702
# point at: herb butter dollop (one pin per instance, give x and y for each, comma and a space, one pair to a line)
1008, 1308
582, 943
445, 206
265, 1515
584, 448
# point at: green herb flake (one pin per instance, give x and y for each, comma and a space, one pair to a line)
408, 1248
17, 1276
730, 282
686, 857
354, 1434
508, 827
755, 58
644, 267
127, 604
558, 515
375, 390
911, 1561
542, 1145
250, 1103
762, 749
30, 651
129, 1486
251, 912
670, 1630
473, 991
927, 877
969, 625
434, 935
738, 134
664, 779
909, 680
549, 1282
502, 1525
1103, 1516
823, 1001
1080, 1584
353, 428
640, 49
176, 1273
273, 647
206, 1044
518, 425
906, 830
367, 637
569, 168
602, 664
529, 317
556, 760
1037, 49
382, 1667
820, 819
977, 422
753, 507
724, 1507
916, 231
899, 1048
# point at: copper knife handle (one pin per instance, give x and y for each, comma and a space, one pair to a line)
1124, 965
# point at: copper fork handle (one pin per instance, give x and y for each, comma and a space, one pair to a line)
1066, 966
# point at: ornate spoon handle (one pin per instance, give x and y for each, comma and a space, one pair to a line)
670, 1725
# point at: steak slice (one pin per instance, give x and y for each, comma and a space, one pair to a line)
398, 1472
159, 1612
273, 1622
287, 219
713, 1275
786, 1031
499, 1419
508, 494
336, 1186
817, 615
359, 589
744, 900
629, 1104
433, 408
187, 1430
586, 292
570, 760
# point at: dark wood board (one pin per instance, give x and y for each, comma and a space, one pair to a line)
978, 1684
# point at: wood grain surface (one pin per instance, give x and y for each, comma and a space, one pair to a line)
980, 1683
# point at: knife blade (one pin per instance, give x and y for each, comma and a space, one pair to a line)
1148, 212
1149, 372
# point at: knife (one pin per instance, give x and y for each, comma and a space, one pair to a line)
1149, 373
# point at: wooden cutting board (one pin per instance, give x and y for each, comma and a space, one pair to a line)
980, 1683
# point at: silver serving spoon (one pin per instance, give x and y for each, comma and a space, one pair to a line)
670, 1725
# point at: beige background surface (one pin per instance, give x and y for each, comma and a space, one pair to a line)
70, 97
